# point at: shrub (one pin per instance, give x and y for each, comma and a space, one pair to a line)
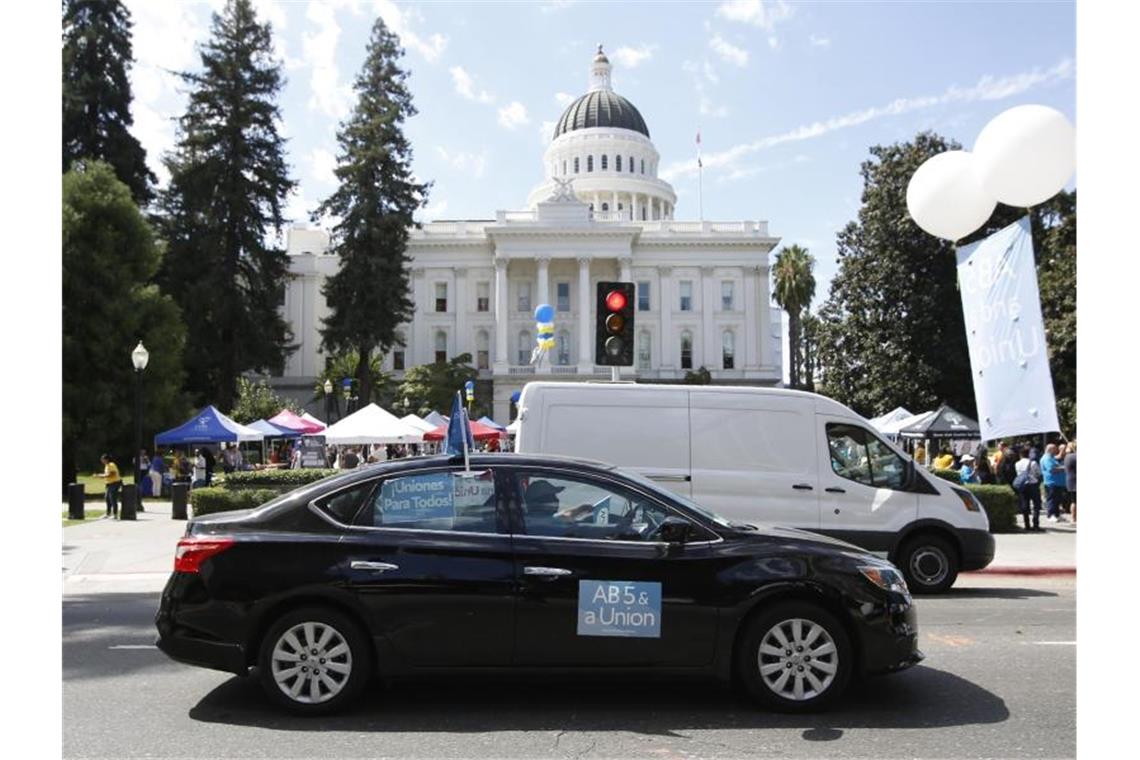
951, 475
1001, 505
205, 501
282, 480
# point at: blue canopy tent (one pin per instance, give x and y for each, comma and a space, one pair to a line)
269, 430
490, 423
207, 426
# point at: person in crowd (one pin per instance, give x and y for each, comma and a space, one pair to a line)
984, 472
920, 454
966, 472
295, 459
945, 459
208, 455
199, 477
157, 470
1007, 467
114, 484
1070, 466
1002, 446
142, 468
1028, 486
228, 457
1053, 475
180, 470
350, 459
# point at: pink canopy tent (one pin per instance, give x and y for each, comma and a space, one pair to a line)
288, 419
479, 432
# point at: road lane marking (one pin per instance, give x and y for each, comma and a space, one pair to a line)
949, 640
132, 646
1054, 643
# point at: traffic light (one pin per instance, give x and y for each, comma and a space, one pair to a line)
613, 343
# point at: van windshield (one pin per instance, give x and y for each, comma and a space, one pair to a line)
680, 499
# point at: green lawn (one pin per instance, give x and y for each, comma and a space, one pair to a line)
89, 515
94, 485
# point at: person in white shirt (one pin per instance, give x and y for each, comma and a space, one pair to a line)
199, 477
1028, 486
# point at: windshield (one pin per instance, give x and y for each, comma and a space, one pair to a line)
682, 500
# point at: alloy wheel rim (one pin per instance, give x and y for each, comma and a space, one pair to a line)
929, 566
311, 662
798, 659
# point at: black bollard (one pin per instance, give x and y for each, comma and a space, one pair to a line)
130, 502
75, 501
180, 493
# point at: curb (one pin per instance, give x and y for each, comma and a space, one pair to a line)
1009, 570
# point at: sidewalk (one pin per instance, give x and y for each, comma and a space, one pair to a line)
1053, 551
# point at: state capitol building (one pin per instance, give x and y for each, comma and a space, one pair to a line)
601, 213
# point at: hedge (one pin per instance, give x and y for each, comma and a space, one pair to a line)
281, 480
205, 501
1000, 501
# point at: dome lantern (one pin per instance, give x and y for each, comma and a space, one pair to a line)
600, 72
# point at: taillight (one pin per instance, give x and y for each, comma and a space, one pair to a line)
192, 551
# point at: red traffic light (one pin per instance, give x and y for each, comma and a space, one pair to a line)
615, 300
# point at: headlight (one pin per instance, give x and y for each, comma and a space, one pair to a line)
969, 501
886, 578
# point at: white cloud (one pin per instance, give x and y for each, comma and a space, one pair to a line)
987, 88
755, 12
630, 57
729, 52
398, 20
471, 163
546, 132
564, 99
465, 86
328, 96
708, 109
773, 42
513, 115
322, 166
818, 41
433, 210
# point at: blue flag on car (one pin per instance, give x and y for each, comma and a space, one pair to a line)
458, 430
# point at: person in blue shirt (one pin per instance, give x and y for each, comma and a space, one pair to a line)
966, 472
1053, 475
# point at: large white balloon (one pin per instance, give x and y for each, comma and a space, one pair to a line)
1026, 155
944, 197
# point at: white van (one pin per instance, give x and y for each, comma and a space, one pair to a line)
770, 455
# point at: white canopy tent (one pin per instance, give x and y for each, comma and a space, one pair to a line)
898, 413
417, 422
372, 425
310, 418
893, 428
435, 419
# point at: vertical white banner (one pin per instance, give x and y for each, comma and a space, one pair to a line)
1009, 362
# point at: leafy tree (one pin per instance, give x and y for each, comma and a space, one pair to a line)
257, 401
794, 289
368, 297
809, 350
344, 366
227, 190
432, 386
109, 254
97, 92
700, 376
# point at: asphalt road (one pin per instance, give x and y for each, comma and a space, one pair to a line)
999, 681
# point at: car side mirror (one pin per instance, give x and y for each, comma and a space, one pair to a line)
674, 530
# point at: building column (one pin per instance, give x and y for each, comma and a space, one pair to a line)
501, 316
711, 352
461, 340
665, 303
585, 344
751, 320
418, 354
635, 214
614, 203
543, 280
625, 273
597, 203
764, 304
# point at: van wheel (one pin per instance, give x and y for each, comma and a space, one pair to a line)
314, 661
795, 657
929, 563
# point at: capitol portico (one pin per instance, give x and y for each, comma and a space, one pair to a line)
601, 213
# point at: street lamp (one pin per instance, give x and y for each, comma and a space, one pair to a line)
328, 387
139, 357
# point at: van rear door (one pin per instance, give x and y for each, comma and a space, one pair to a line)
754, 457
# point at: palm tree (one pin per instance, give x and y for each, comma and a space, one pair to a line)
794, 289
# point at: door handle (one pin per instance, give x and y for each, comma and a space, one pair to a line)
547, 572
833, 489
379, 567
802, 487
664, 478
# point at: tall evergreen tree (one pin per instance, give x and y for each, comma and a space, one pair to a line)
97, 92
374, 203
795, 287
224, 209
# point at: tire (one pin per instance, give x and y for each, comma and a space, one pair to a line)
929, 563
795, 682
298, 688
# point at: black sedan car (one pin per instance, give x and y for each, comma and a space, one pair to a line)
532, 563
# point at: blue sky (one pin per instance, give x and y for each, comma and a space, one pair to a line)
788, 96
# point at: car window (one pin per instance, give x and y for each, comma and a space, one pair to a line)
858, 455
344, 505
458, 501
567, 507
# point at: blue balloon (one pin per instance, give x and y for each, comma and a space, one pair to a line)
544, 313
469, 385
515, 397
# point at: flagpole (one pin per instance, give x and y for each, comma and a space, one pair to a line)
467, 426
700, 180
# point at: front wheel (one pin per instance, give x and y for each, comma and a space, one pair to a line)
795, 657
314, 661
929, 563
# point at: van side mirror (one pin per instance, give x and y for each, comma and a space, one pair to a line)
674, 530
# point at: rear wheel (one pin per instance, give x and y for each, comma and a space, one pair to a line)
929, 563
314, 661
795, 657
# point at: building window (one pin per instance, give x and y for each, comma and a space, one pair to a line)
631, 164
482, 350
575, 164
726, 296
686, 350
398, 359
643, 296
563, 347
643, 213
564, 167
605, 161
524, 347
643, 166
605, 207
441, 296
589, 163
643, 355
563, 291
617, 163
440, 346
524, 297
482, 296
728, 350
686, 295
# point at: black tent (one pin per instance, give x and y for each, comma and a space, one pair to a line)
946, 423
